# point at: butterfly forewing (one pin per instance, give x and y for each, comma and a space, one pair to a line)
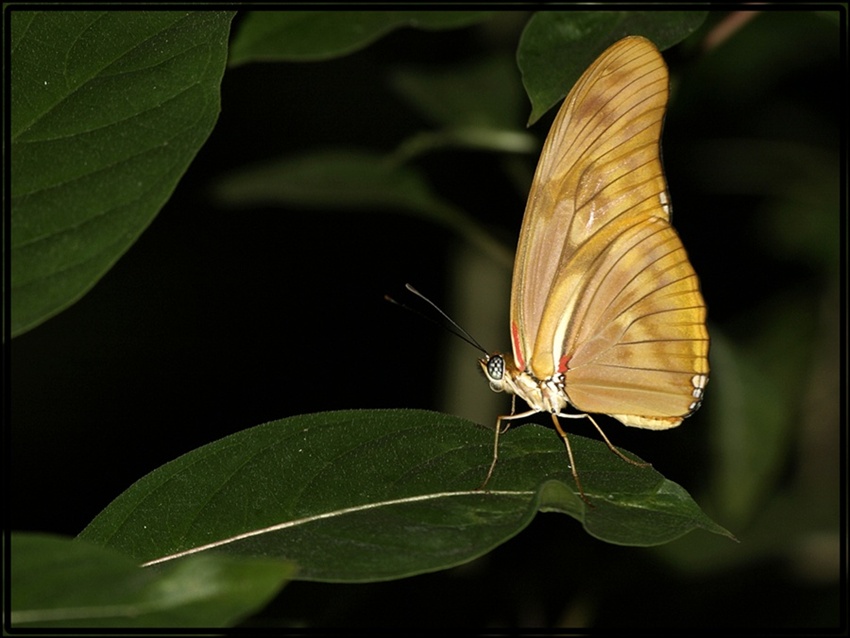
602, 288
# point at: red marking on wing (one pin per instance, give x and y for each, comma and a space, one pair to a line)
520, 360
562, 364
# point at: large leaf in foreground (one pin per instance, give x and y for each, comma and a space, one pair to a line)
374, 495
108, 110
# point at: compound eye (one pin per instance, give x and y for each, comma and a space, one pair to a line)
496, 367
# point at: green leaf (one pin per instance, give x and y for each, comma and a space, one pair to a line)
755, 410
367, 495
557, 46
322, 35
60, 582
351, 180
108, 110
483, 93
332, 179
478, 105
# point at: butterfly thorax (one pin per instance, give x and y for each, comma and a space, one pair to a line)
544, 395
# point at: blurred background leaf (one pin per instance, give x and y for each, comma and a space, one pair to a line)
321, 35
58, 582
352, 180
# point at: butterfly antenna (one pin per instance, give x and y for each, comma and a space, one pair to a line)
452, 326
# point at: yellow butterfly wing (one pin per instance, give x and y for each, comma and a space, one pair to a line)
603, 291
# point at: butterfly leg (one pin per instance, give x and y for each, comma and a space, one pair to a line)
505, 417
573, 469
611, 445
495, 453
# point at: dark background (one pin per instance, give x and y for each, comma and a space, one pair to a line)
219, 319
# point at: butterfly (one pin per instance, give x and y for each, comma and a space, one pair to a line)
606, 313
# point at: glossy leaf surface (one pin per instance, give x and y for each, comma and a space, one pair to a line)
357, 496
108, 110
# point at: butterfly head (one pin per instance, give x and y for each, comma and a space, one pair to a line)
542, 395
493, 366
504, 376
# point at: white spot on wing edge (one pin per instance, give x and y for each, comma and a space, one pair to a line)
699, 382
665, 202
